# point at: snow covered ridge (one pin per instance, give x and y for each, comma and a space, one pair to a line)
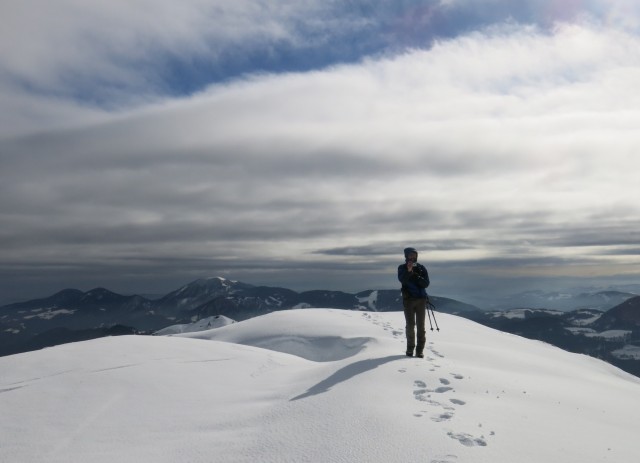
201, 325
240, 394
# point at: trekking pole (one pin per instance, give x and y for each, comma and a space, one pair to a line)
430, 306
429, 315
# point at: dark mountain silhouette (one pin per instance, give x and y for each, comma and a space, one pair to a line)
64, 297
621, 316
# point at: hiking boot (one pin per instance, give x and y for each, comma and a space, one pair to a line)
409, 354
420, 354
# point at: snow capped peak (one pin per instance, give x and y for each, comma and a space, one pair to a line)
223, 281
201, 291
99, 292
218, 280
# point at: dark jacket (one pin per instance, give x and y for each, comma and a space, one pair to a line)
414, 283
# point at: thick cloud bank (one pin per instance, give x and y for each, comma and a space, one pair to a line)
501, 145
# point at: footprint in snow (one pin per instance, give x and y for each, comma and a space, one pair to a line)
445, 459
442, 417
423, 394
442, 389
468, 440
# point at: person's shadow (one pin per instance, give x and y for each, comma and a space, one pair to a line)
346, 373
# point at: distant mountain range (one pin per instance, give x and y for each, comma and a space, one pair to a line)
571, 322
538, 299
72, 315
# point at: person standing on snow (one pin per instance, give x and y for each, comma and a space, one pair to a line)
415, 280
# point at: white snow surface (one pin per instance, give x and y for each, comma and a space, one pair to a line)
215, 321
316, 385
370, 301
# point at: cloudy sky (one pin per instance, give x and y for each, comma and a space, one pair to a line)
305, 143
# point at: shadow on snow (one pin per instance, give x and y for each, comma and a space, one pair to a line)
345, 374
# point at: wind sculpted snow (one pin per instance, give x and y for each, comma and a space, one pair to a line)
316, 385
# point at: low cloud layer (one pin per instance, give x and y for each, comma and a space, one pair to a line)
503, 146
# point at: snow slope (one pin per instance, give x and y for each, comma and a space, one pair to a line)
215, 321
316, 385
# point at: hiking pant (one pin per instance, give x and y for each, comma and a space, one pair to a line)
415, 311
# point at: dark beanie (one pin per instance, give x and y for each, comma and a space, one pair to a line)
408, 251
